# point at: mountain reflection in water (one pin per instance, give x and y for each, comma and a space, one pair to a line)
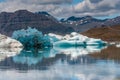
73, 63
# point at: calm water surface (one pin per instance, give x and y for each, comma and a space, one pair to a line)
72, 63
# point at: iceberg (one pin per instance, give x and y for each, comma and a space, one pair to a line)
76, 39
9, 52
6, 42
9, 47
118, 45
31, 37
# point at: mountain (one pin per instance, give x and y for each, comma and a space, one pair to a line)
113, 21
85, 19
21, 19
105, 33
81, 24
43, 21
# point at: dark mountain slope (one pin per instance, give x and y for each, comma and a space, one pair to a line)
81, 24
105, 33
21, 19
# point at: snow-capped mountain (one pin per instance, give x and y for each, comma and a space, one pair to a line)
81, 24
80, 20
43, 21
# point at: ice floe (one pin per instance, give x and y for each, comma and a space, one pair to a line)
32, 37
75, 39
118, 45
8, 52
6, 42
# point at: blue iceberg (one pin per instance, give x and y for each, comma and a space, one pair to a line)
76, 39
31, 37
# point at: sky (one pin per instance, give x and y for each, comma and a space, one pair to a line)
66, 8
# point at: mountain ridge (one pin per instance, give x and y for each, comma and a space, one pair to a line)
82, 24
9, 22
45, 22
108, 33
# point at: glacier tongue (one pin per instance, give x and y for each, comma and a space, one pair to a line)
6, 42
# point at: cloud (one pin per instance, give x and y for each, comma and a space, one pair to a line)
13, 5
98, 8
41, 1
64, 8
47, 1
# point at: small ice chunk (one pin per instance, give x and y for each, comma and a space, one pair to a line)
118, 45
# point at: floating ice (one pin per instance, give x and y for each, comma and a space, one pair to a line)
34, 38
8, 52
76, 39
31, 37
9, 47
118, 45
6, 42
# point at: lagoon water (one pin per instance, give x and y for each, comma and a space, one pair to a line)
72, 63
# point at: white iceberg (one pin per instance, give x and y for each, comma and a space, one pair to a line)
75, 39
9, 47
6, 42
118, 45
34, 38
8, 52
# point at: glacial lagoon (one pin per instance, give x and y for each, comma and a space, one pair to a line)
72, 63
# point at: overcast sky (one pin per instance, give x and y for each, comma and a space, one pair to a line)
65, 8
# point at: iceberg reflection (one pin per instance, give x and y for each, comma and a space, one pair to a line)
70, 63
78, 51
37, 59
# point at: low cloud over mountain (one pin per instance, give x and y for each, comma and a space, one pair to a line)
65, 8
